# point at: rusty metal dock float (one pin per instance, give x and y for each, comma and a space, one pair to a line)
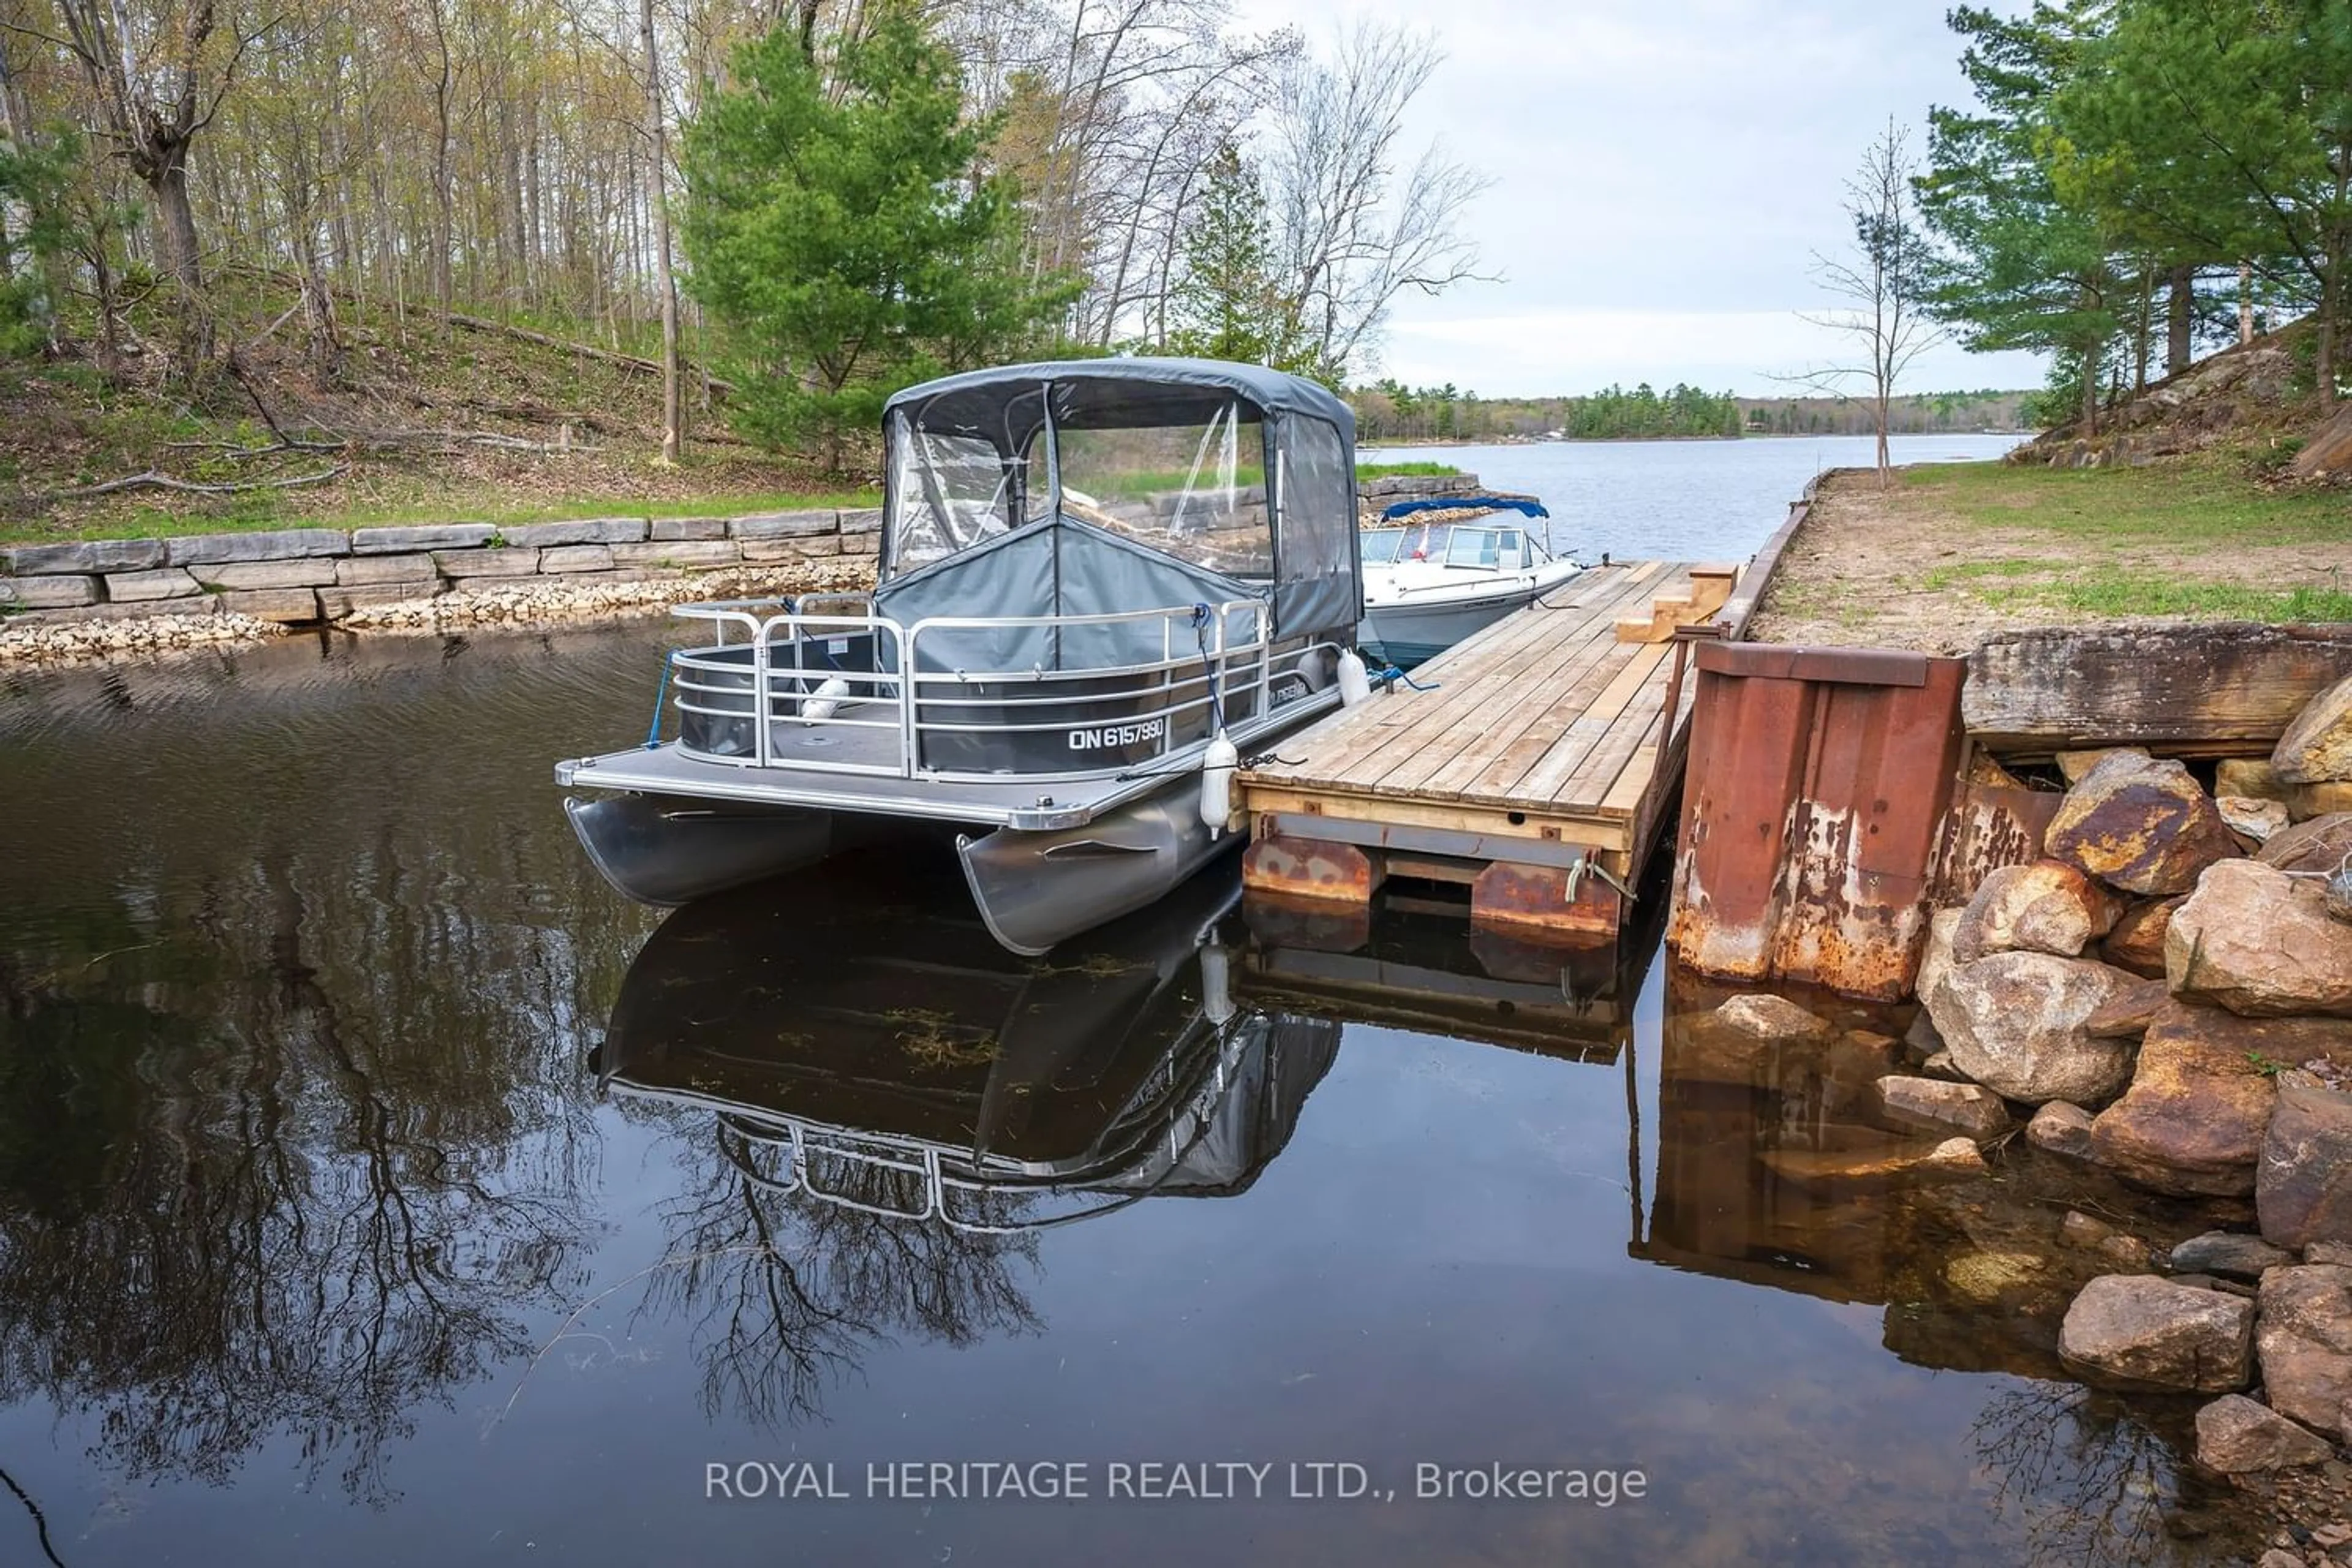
1537, 766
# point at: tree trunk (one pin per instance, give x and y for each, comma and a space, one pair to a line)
2090, 369
2180, 318
2245, 301
175, 247
666, 279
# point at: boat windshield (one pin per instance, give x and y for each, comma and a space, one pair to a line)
1379, 545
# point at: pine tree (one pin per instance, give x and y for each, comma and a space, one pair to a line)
1225, 306
843, 234
2026, 267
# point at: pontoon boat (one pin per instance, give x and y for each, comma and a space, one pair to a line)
1100, 583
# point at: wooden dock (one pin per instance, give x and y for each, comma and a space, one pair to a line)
1537, 768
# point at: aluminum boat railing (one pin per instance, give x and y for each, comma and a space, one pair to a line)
848, 692
1153, 1128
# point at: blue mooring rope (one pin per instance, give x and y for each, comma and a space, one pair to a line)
652, 730
1394, 673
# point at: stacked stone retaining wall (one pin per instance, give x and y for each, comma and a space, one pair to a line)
309, 575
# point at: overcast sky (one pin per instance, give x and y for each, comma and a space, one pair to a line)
1663, 171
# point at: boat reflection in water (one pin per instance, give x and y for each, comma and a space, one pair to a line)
865, 1043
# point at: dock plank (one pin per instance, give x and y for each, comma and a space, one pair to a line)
1470, 679
1556, 678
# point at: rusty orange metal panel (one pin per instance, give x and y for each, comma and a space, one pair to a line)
1318, 869
1569, 903
1815, 803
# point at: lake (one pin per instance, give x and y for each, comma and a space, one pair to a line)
376, 1185
1679, 500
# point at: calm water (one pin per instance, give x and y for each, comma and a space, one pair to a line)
1679, 500
376, 1186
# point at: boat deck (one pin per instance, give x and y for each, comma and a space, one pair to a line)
1538, 766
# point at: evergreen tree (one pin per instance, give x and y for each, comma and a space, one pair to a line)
2215, 134
1225, 306
33, 186
2026, 267
842, 233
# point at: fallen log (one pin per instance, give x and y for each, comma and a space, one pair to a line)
523, 335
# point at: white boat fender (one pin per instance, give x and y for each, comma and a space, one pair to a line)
1217, 983
1217, 764
828, 698
1355, 681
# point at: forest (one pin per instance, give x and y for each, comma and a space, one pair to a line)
1390, 411
790, 207
2133, 179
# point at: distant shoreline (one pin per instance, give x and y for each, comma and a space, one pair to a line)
1386, 444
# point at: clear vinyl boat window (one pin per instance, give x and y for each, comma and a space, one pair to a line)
1195, 490
948, 492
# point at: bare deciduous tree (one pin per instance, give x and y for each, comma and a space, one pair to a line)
1885, 280
1350, 238
156, 81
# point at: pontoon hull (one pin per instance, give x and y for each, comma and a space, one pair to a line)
670, 851
1034, 889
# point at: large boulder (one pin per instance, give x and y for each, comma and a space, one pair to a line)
2013, 1022
2258, 821
2259, 942
2046, 906
2236, 1435
2309, 803
2247, 776
2192, 1123
2140, 825
2304, 1341
2302, 1185
1931, 1105
2137, 942
2317, 746
2138, 1331
1936, 962
2321, 845
2129, 1012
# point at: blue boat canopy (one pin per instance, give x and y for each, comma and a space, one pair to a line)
1453, 503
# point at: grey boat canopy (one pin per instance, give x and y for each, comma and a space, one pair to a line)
1244, 474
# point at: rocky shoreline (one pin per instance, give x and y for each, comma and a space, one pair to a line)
2164, 998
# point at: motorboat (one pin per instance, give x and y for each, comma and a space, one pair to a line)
865, 1045
1101, 583
1437, 570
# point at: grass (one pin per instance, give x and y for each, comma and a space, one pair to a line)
2111, 591
151, 522
2208, 500
1405, 470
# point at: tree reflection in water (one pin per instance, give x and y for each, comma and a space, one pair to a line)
784, 1290
255, 1181
2089, 1478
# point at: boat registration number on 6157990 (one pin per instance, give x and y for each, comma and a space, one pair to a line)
1116, 735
